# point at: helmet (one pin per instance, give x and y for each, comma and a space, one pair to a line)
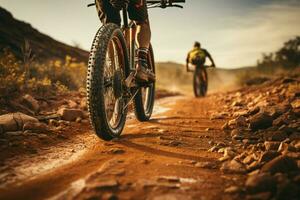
197, 44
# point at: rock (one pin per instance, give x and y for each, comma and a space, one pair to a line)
286, 118
297, 145
278, 110
206, 165
296, 103
236, 135
31, 102
233, 166
70, 114
286, 147
255, 165
261, 182
1, 129
253, 111
116, 151
35, 126
83, 104
241, 113
220, 144
295, 136
15, 121
260, 121
219, 115
281, 164
268, 155
271, 146
224, 158
225, 126
72, 104
53, 122
229, 152
288, 80
217, 147
279, 136
78, 120
221, 150
237, 104
233, 190
239, 121
249, 141
248, 160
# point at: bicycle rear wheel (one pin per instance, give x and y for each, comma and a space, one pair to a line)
144, 100
108, 67
200, 84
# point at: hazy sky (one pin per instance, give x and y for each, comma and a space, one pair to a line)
235, 32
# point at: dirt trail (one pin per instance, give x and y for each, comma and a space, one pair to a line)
165, 158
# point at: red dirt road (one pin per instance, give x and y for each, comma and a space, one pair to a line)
165, 158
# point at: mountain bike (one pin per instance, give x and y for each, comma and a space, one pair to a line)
200, 79
111, 85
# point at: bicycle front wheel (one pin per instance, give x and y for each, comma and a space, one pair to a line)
108, 67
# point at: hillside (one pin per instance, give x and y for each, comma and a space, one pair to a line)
13, 33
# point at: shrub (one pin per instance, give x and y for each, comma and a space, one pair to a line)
52, 77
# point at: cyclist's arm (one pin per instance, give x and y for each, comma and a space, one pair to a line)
187, 62
210, 58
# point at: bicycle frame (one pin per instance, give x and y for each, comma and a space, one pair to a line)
129, 30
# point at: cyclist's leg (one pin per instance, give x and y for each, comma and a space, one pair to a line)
138, 12
107, 13
203, 73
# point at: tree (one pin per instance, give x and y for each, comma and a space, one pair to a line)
287, 57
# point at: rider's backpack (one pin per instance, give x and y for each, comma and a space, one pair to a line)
197, 56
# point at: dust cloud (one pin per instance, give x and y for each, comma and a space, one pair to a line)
173, 77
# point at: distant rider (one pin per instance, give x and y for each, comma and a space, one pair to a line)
197, 56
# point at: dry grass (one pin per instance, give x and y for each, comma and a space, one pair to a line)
52, 77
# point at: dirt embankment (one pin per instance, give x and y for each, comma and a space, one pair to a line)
14, 33
237, 145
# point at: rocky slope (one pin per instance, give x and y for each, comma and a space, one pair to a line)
13, 33
264, 128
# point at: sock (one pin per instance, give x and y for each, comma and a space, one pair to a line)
142, 53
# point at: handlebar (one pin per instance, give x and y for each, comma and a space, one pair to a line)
204, 66
164, 3
158, 3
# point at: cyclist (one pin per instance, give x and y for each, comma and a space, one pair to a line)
109, 12
197, 56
